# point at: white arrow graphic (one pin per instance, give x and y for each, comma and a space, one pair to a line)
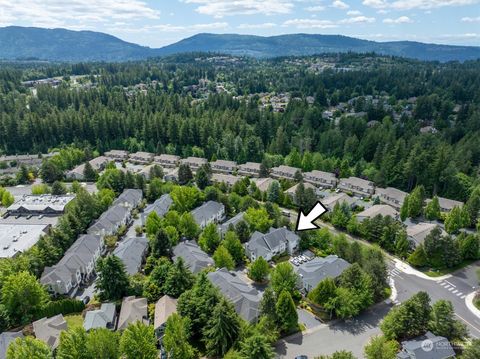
305, 222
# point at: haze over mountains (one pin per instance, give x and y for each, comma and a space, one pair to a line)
76, 46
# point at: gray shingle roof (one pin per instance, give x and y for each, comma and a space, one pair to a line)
260, 244
244, 297
206, 211
131, 252
192, 254
223, 228
316, 270
161, 206
5, 339
133, 310
100, 318
428, 346
48, 329
132, 197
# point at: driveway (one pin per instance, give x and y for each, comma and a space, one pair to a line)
325, 339
307, 319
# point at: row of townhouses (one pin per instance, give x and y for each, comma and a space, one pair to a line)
78, 263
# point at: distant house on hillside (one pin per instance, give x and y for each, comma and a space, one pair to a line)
383, 210
251, 169
117, 155
391, 196
194, 162
141, 157
446, 205
357, 186
223, 166
285, 172
168, 161
321, 178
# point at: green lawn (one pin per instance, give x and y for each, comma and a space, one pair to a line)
74, 320
439, 272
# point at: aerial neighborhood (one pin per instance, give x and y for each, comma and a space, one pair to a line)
156, 208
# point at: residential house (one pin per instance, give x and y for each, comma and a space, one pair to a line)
391, 196
111, 221
167, 161
286, 172
145, 171
428, 129
130, 198
5, 339
105, 317
133, 310
171, 175
76, 266
313, 272
161, 206
40, 205
232, 222
193, 256
245, 298
339, 198
132, 252
377, 210
251, 169
292, 191
321, 178
263, 183
117, 155
209, 212
194, 162
446, 205
276, 241
98, 164
164, 308
141, 157
417, 233
223, 166
229, 180
357, 186
48, 330
428, 346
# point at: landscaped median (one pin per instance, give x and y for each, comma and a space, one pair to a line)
472, 301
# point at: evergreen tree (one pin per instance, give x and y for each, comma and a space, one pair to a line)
89, 174
184, 174
443, 322
268, 305
178, 280
432, 210
202, 178
160, 244
222, 329
112, 279
58, 188
286, 311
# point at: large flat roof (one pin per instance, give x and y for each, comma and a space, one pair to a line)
15, 239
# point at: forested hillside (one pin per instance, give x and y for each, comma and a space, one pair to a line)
400, 123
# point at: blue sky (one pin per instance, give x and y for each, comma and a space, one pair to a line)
160, 22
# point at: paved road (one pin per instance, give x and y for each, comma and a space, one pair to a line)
325, 339
454, 289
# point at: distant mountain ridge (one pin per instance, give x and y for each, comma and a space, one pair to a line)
75, 46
